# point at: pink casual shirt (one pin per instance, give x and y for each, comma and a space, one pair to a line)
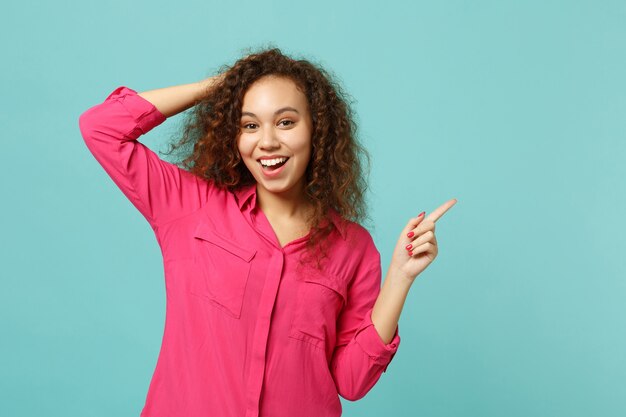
248, 332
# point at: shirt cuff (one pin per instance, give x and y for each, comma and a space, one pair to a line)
369, 340
145, 114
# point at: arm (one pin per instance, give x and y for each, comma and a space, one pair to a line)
415, 250
361, 355
173, 100
160, 190
389, 304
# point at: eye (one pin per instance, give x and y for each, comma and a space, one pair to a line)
286, 120
248, 124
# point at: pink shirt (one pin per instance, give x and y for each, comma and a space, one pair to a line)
247, 332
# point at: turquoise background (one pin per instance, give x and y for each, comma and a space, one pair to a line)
517, 109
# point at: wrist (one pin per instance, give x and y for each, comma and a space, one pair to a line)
203, 87
397, 277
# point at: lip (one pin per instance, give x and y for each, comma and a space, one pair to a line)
263, 158
271, 174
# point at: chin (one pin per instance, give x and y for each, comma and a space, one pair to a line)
276, 188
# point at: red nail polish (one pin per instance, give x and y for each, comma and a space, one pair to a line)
410, 234
421, 214
411, 253
408, 247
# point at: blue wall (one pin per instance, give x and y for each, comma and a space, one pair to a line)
514, 108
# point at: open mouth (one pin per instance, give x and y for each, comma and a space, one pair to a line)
273, 165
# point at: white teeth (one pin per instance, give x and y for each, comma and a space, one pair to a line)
272, 162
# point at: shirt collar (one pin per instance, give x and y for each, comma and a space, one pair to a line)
244, 193
248, 192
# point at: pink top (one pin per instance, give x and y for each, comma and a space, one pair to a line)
247, 332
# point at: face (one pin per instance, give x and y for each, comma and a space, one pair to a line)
276, 129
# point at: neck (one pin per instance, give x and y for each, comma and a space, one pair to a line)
289, 204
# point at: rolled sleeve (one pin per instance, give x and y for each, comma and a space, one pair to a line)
369, 340
145, 115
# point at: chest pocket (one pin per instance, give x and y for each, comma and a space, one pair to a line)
319, 300
223, 268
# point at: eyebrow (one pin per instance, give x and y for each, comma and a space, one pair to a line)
281, 110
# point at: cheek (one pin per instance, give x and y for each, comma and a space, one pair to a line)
309, 152
308, 156
305, 145
238, 145
244, 147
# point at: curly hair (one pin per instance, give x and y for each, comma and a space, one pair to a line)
334, 177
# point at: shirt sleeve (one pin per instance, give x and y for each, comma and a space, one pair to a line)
160, 190
361, 356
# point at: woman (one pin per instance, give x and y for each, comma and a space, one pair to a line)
274, 305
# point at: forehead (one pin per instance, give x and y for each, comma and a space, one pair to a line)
272, 92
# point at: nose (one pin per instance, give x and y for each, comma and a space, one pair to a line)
268, 139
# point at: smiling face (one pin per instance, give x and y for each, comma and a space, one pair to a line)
276, 128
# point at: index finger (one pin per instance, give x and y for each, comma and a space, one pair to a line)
441, 210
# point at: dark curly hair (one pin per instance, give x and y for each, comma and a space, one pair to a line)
334, 177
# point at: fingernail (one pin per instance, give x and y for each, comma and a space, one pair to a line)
421, 214
408, 247
411, 253
410, 234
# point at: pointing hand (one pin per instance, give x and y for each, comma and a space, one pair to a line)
417, 246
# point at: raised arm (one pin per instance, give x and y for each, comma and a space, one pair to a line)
173, 100
160, 190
